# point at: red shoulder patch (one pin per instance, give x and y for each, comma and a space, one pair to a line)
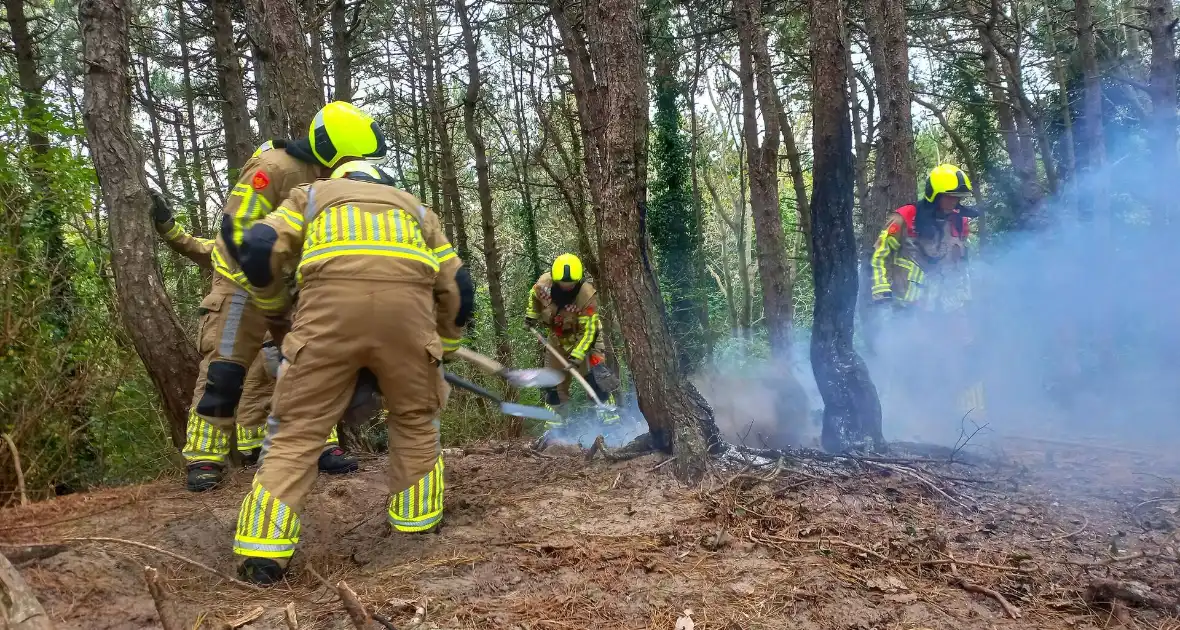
589, 310
894, 229
260, 180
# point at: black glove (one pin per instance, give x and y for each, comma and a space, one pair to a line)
161, 211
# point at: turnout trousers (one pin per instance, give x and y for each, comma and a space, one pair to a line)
341, 326
232, 377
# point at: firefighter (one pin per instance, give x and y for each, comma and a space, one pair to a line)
254, 405
380, 288
234, 322
566, 304
919, 267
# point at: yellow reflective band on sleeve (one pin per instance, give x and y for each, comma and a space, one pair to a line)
204, 441
419, 507
251, 207
223, 268
451, 345
291, 218
590, 325
886, 245
174, 233
914, 279
444, 253
267, 528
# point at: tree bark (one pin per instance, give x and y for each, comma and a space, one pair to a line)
272, 114
341, 52
894, 181
287, 64
678, 417
1162, 89
235, 117
316, 39
774, 268
1094, 203
170, 358
491, 249
852, 412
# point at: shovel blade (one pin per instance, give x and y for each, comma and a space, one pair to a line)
525, 411
534, 377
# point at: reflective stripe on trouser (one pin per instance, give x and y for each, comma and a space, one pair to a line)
254, 407
608, 417
229, 339
267, 527
419, 507
340, 326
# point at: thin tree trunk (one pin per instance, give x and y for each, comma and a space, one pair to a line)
235, 117
775, 270
288, 67
341, 52
852, 412
893, 183
316, 38
1162, 88
272, 114
483, 179
159, 339
151, 108
197, 166
1094, 203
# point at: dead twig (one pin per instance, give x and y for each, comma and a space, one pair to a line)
352, 605
965, 439
132, 543
1110, 591
662, 464
247, 618
967, 563
290, 618
821, 541
1110, 560
20, 473
923, 480
1085, 523
970, 587
164, 607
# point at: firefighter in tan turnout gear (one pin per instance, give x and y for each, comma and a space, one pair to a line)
233, 322
563, 302
380, 288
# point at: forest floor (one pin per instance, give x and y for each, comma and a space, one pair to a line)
1066, 535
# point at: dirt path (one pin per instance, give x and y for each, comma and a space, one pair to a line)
554, 542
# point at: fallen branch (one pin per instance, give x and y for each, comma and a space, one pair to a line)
247, 618
1110, 560
290, 618
1085, 523
1012, 611
19, 608
830, 541
968, 563
662, 464
352, 605
1109, 591
926, 482
32, 554
20, 473
174, 556
164, 608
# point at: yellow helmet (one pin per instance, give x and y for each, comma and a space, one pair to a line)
341, 131
567, 268
947, 179
364, 171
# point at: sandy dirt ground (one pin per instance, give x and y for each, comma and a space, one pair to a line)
1024, 534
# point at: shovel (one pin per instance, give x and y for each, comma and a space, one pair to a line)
507, 408
576, 374
520, 379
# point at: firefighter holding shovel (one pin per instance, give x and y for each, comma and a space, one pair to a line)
566, 304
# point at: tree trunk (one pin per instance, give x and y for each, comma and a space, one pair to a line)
1162, 88
852, 412
288, 67
190, 107
452, 200
775, 270
341, 52
678, 417
272, 114
235, 117
1094, 203
483, 179
316, 47
170, 358
894, 181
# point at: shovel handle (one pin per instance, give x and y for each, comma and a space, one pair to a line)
481, 361
569, 368
463, 383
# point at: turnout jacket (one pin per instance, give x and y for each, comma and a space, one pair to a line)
575, 324
194, 248
344, 229
928, 271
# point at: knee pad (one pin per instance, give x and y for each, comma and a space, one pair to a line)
223, 389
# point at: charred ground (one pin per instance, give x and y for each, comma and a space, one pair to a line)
1069, 535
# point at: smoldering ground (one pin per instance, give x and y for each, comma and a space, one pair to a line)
1072, 332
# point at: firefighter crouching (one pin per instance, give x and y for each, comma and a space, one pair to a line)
254, 404
919, 266
233, 323
567, 305
380, 288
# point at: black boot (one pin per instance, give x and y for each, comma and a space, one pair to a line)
250, 457
204, 476
334, 461
262, 571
